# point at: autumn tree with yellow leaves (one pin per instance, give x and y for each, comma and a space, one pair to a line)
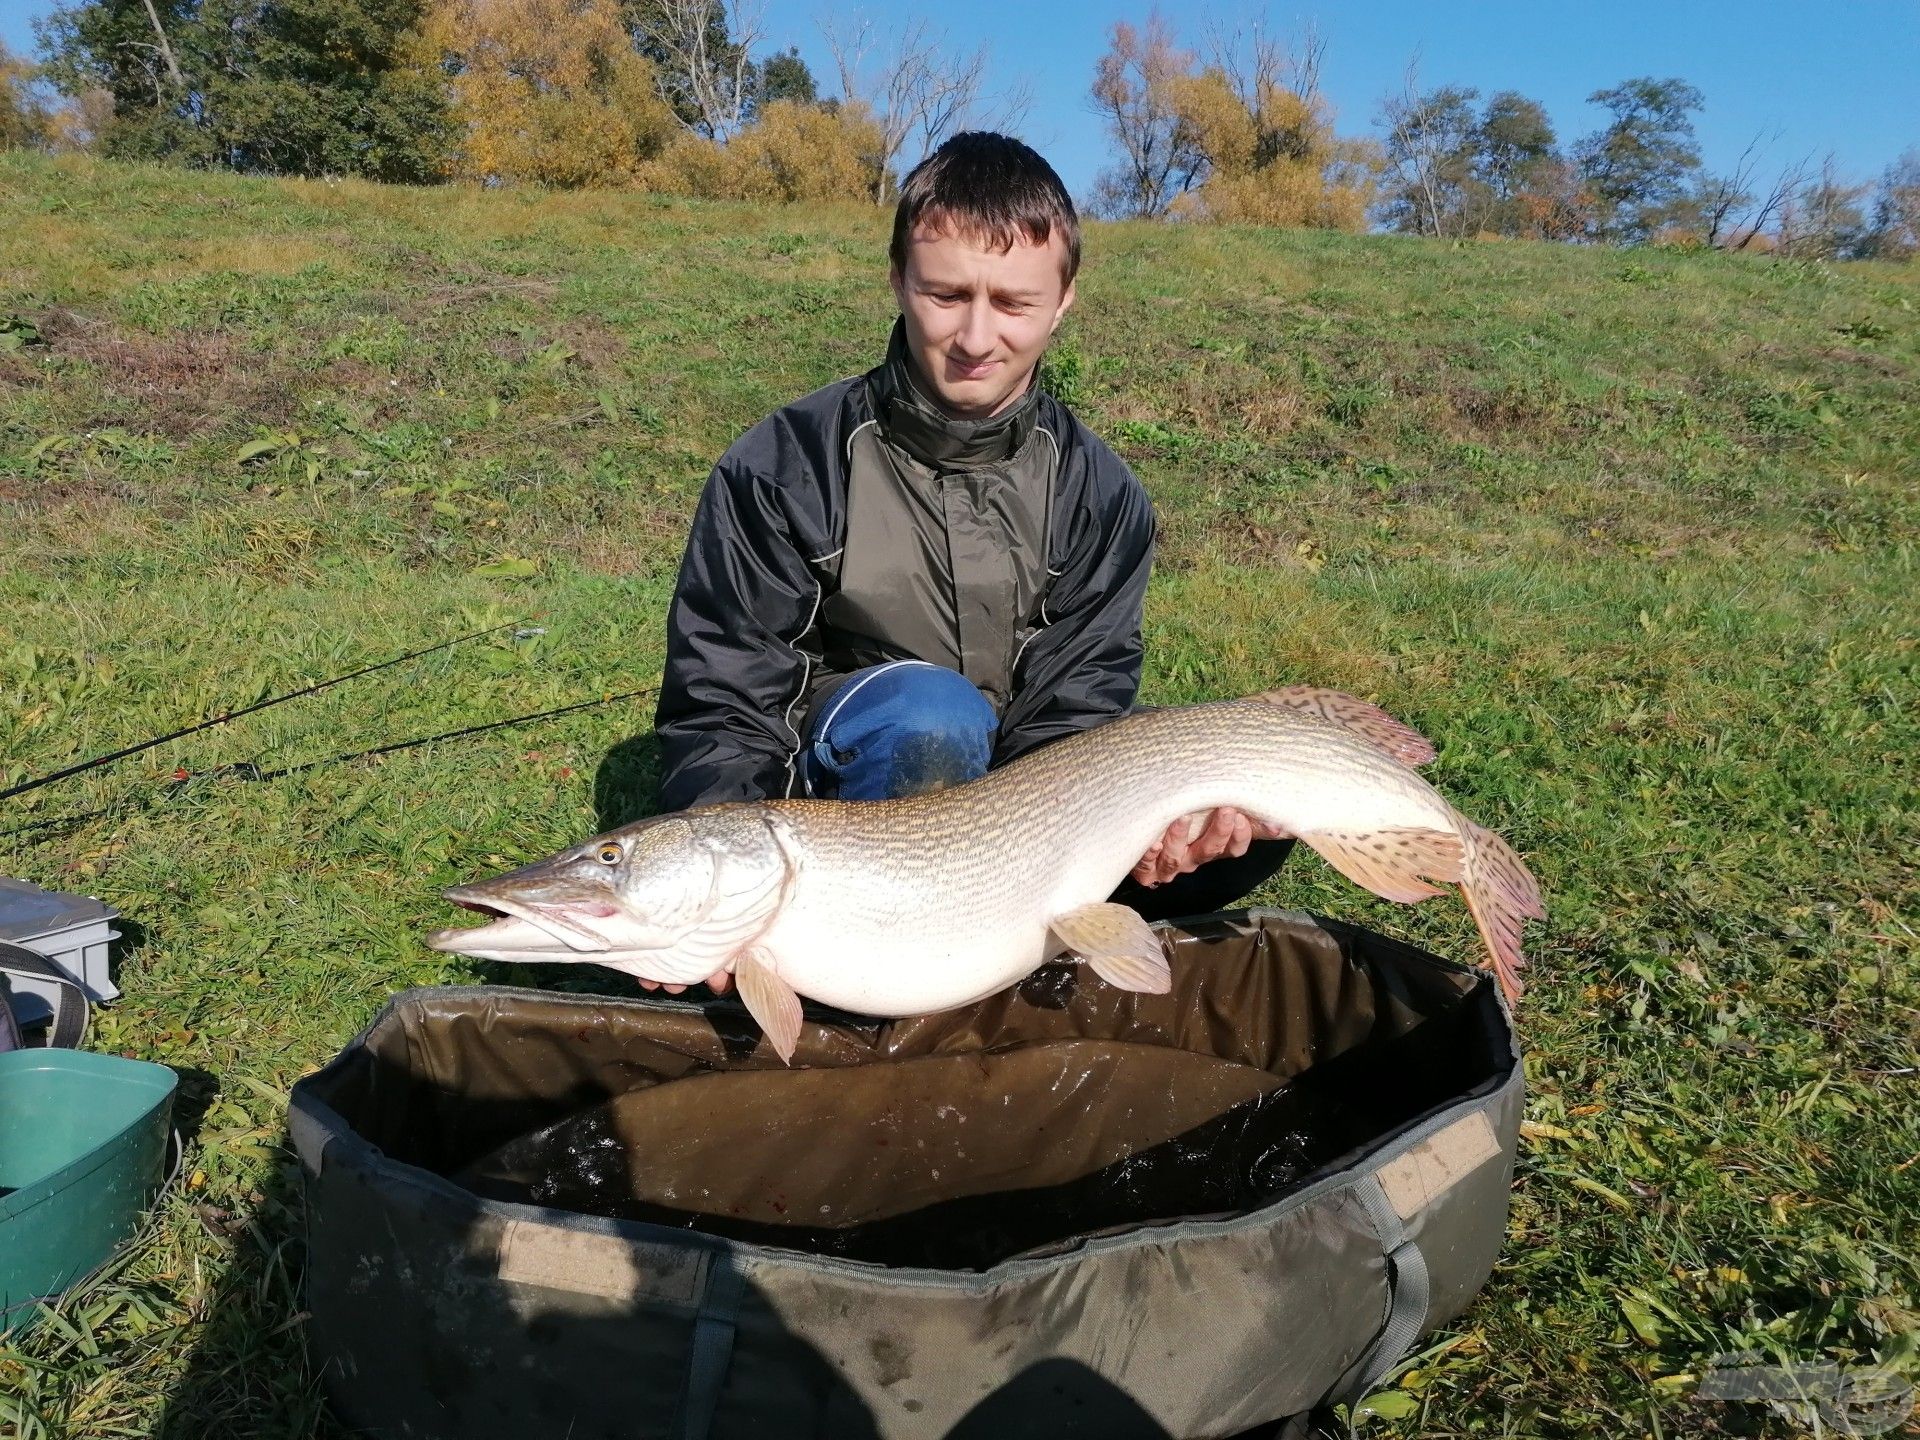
1245, 138
550, 92
792, 151
1272, 157
26, 119
556, 92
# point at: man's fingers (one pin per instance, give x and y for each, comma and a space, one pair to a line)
1174, 860
1173, 850
1211, 841
1146, 870
719, 981
673, 989
1193, 840
649, 984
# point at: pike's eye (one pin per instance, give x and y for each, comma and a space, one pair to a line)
608, 854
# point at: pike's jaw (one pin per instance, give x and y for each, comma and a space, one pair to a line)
524, 930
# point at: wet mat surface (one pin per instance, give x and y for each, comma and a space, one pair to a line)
1058, 1110
963, 1161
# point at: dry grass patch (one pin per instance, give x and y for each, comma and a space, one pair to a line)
181, 384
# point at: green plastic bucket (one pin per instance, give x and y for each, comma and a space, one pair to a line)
82, 1142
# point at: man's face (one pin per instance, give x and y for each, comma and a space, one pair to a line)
977, 320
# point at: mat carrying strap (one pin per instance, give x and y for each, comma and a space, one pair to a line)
712, 1347
1407, 1294
69, 1025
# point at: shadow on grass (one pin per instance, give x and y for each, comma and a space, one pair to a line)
134, 937
625, 787
248, 1378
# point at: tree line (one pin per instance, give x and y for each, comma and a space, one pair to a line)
1240, 130
683, 96
669, 95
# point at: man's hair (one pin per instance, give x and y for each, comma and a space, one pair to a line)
987, 187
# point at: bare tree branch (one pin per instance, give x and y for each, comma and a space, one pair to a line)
166, 50
1308, 58
1250, 58
704, 62
1777, 199
1133, 92
918, 90
1721, 196
1013, 107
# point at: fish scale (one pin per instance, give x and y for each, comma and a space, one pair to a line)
912, 906
974, 874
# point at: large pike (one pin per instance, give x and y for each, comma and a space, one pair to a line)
906, 907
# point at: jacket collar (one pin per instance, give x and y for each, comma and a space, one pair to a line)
912, 420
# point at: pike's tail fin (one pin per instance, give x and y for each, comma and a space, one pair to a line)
1500, 892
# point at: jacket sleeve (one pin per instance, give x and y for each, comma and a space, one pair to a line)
1083, 667
734, 671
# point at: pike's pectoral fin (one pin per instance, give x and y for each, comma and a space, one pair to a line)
1392, 863
1118, 944
771, 1002
1367, 720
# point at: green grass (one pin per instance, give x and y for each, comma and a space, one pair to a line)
1632, 536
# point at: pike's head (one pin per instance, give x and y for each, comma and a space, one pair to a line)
661, 899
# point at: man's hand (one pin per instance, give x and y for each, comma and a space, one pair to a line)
1193, 840
717, 982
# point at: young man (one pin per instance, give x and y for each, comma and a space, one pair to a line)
909, 577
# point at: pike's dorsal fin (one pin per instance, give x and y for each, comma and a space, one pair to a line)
1118, 944
771, 1002
1391, 863
1369, 722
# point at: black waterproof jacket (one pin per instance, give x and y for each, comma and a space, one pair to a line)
752, 638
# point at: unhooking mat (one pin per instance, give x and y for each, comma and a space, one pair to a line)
1064, 1211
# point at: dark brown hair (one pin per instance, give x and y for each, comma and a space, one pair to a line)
988, 187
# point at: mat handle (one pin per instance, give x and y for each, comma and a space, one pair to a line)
70, 1010
1408, 1291
712, 1348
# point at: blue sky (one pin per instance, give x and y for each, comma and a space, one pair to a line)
1843, 77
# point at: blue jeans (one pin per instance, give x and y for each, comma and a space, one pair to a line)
897, 729
908, 726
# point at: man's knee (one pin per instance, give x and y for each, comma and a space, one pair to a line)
899, 729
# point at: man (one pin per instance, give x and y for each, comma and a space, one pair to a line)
920, 573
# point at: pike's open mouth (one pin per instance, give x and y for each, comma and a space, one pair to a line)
523, 926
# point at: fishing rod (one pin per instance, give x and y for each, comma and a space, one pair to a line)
222, 719
460, 734
248, 771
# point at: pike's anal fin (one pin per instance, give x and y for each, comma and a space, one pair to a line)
1117, 944
771, 1001
1393, 864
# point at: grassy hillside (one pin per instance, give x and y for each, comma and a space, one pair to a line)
1631, 535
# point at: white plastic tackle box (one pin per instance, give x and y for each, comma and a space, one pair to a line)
75, 932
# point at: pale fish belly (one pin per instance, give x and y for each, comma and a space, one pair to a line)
892, 959
911, 907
